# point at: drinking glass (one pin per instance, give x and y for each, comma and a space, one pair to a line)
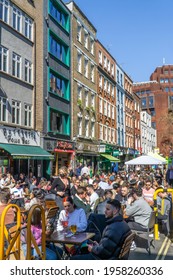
73, 228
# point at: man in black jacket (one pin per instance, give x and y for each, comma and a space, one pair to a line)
113, 235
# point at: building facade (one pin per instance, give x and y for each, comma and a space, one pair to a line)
154, 100
20, 149
53, 104
148, 134
83, 87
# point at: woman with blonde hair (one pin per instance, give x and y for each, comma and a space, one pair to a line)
61, 186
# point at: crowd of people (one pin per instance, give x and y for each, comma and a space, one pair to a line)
78, 193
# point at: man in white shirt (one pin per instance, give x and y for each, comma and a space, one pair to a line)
93, 196
85, 170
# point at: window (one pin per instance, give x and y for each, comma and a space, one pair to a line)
16, 65
109, 111
87, 128
28, 115
100, 81
153, 112
105, 62
109, 66
79, 125
109, 134
101, 132
113, 90
79, 92
59, 50
93, 129
59, 16
79, 62
112, 114
161, 80
28, 28
109, 87
86, 98
86, 39
112, 136
166, 89
105, 108
92, 45
105, 84
118, 78
79, 32
143, 102
153, 124
59, 122
121, 79
100, 57
17, 19
151, 101
4, 10
166, 72
3, 59
112, 70
59, 86
56, 121
16, 111
3, 109
93, 100
92, 73
171, 80
166, 80
105, 133
28, 71
100, 106
86, 68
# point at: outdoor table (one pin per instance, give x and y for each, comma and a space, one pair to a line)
76, 239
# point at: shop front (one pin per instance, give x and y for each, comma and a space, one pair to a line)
20, 151
107, 162
87, 154
63, 152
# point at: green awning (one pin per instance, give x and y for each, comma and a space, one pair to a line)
26, 152
110, 158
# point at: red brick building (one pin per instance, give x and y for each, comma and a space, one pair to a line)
154, 100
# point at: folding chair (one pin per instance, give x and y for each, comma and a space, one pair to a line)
149, 231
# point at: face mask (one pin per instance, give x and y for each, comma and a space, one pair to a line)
62, 175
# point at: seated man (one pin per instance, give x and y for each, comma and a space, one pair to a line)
80, 201
138, 209
148, 192
92, 196
164, 208
113, 235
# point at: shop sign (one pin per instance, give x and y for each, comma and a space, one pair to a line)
116, 153
90, 148
10, 135
102, 148
109, 149
64, 145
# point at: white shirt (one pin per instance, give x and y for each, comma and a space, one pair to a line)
85, 170
93, 197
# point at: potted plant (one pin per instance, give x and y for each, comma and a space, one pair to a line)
79, 103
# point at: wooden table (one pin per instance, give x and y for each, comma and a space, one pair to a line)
77, 239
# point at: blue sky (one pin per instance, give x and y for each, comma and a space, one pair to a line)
138, 33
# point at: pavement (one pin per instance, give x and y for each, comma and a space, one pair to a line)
162, 250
